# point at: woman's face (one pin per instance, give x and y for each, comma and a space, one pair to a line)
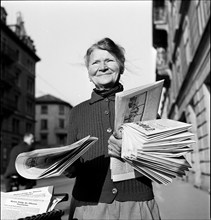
103, 69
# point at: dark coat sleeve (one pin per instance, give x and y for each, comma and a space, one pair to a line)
11, 166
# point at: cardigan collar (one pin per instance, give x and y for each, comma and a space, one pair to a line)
95, 97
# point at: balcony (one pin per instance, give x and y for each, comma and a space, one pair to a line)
160, 24
162, 68
160, 15
59, 130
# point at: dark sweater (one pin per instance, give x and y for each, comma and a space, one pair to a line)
93, 183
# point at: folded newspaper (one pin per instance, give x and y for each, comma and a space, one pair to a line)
29, 202
50, 162
157, 148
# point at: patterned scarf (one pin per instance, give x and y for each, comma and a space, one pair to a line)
106, 93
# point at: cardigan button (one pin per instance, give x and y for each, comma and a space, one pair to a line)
106, 112
109, 130
114, 191
106, 99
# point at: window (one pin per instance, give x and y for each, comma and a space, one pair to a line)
44, 124
18, 55
30, 86
206, 5
30, 65
29, 107
44, 109
160, 13
3, 68
175, 14
61, 123
178, 66
44, 139
3, 15
61, 109
4, 153
3, 44
17, 77
28, 127
61, 139
161, 60
200, 15
15, 126
17, 101
186, 40
206, 92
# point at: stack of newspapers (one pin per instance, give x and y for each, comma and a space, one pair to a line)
30, 203
157, 148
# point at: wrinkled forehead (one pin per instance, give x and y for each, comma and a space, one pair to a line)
101, 54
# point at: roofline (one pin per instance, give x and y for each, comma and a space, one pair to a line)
51, 102
19, 41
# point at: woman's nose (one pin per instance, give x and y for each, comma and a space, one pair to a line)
103, 66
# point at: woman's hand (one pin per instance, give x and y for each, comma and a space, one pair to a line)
114, 146
71, 171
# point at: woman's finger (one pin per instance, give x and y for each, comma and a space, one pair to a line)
114, 146
115, 142
114, 150
118, 135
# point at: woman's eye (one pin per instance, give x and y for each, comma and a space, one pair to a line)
95, 62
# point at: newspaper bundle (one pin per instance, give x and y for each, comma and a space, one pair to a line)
157, 148
150, 147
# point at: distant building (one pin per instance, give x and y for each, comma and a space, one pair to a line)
17, 85
51, 121
181, 32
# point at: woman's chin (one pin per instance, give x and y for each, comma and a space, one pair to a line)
108, 85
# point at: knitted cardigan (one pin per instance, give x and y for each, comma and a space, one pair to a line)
93, 182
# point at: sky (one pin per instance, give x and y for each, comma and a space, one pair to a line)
62, 31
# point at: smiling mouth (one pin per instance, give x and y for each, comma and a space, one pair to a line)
105, 74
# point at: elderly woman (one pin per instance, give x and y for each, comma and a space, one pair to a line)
95, 195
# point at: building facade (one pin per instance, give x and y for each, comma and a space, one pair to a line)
51, 121
17, 85
181, 31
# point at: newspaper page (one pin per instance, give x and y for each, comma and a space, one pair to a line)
133, 105
49, 162
23, 203
139, 104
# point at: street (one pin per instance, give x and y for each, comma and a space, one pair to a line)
61, 185
178, 200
